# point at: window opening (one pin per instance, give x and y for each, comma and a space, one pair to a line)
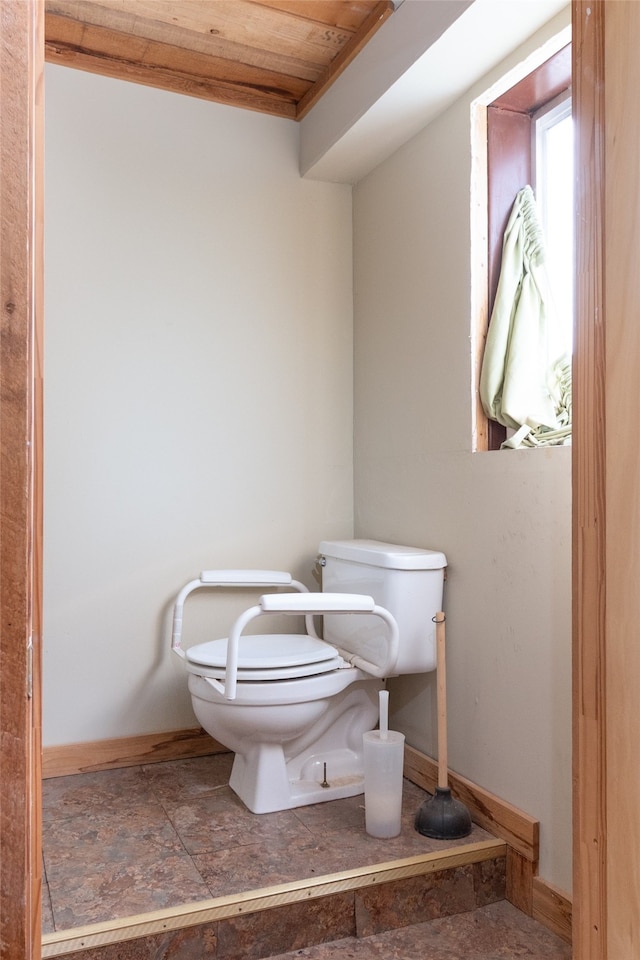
553, 133
512, 120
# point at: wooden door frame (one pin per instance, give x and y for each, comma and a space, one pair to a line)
600, 646
606, 464
21, 268
588, 503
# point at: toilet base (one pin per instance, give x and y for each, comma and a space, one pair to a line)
346, 780
282, 749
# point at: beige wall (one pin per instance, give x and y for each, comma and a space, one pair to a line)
502, 518
198, 382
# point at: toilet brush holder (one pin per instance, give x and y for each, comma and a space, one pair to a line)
383, 754
383, 763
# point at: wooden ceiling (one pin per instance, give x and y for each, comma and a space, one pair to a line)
274, 56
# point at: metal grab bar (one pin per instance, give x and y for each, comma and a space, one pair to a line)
309, 604
231, 578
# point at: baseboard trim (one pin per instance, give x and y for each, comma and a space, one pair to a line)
62, 761
552, 907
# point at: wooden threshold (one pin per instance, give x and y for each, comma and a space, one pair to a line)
222, 908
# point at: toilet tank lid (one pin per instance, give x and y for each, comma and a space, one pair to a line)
378, 554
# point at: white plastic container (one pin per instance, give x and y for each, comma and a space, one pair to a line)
383, 764
383, 758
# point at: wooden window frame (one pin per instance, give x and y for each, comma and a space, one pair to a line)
510, 167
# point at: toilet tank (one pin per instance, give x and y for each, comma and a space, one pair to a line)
408, 581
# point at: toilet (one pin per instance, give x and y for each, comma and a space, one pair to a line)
293, 706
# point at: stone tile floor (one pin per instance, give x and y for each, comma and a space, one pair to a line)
128, 841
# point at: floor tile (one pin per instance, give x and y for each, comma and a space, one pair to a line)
188, 779
121, 889
287, 927
79, 844
263, 864
494, 932
89, 793
414, 899
220, 821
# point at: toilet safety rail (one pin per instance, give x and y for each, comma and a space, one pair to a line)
232, 578
301, 603
310, 604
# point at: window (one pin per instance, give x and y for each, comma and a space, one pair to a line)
512, 119
553, 186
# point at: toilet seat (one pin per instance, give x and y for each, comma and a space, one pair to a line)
265, 657
273, 693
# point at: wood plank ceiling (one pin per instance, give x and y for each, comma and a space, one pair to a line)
273, 56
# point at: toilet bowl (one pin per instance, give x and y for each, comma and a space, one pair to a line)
298, 744
294, 707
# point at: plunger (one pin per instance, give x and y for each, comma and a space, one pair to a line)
441, 817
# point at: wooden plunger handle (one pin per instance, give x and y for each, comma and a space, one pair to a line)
443, 768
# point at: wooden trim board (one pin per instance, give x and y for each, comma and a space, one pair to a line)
21, 282
73, 758
552, 908
590, 453
520, 874
221, 908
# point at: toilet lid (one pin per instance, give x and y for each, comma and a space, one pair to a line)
267, 657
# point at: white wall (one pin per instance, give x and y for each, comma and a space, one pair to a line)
502, 518
198, 365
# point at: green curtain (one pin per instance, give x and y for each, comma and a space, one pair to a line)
525, 382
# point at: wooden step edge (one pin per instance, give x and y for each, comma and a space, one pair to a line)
221, 908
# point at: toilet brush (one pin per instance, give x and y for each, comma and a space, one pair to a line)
441, 817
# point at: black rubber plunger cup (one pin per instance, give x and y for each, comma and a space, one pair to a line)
441, 817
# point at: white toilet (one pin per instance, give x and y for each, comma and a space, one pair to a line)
294, 707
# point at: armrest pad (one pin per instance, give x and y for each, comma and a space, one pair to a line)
316, 603
249, 578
